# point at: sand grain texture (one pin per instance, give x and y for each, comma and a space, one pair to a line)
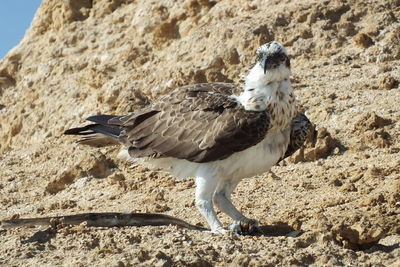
81, 58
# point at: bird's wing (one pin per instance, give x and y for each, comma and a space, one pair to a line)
300, 127
199, 123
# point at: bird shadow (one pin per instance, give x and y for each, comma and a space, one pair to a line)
278, 230
374, 247
41, 236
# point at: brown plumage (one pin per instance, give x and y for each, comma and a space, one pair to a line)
199, 123
299, 129
217, 133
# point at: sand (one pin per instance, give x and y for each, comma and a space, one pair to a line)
341, 193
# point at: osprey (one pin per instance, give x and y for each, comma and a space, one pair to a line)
218, 133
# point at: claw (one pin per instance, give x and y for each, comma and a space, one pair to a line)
245, 227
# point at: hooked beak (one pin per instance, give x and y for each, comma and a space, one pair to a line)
266, 63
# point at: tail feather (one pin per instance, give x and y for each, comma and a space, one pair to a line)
98, 140
101, 119
85, 130
98, 134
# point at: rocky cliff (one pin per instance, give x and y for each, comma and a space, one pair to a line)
83, 57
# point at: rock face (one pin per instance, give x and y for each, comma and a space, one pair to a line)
83, 57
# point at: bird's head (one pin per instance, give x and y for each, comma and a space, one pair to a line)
272, 65
272, 56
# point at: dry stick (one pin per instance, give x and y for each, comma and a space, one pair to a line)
105, 220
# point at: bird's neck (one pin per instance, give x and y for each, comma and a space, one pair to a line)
271, 92
257, 78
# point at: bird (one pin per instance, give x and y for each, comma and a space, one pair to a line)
218, 133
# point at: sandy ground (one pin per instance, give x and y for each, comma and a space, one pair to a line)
81, 58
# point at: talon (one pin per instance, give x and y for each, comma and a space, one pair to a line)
245, 227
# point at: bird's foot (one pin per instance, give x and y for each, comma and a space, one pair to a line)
245, 227
219, 230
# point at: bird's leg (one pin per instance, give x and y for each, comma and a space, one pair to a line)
205, 188
241, 224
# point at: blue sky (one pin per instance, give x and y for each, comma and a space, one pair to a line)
15, 19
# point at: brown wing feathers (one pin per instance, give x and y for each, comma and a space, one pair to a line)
199, 123
300, 127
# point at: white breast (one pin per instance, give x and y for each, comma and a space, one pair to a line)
249, 162
272, 92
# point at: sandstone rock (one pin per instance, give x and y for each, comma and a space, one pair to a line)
370, 121
81, 58
363, 40
363, 233
388, 82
